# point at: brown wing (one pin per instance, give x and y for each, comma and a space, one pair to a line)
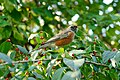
57, 37
66, 40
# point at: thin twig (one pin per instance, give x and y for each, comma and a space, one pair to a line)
24, 61
100, 64
87, 62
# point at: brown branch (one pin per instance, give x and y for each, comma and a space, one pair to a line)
100, 64
24, 61
87, 62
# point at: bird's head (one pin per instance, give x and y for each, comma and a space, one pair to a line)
73, 28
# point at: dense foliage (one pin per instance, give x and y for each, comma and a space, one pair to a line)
26, 24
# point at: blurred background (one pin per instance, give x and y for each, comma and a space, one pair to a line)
31, 22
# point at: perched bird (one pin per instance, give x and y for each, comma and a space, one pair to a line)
63, 38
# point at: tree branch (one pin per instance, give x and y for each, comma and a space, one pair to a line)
100, 64
87, 62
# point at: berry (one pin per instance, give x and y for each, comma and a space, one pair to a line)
73, 55
94, 53
17, 49
42, 43
39, 62
26, 58
12, 64
41, 31
8, 40
27, 73
21, 52
1, 61
53, 67
93, 73
44, 54
95, 37
83, 77
45, 49
114, 49
109, 61
94, 42
6, 78
41, 37
107, 68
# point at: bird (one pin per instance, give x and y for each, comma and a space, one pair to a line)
61, 39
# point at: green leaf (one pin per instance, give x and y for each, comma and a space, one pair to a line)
107, 55
31, 78
6, 33
5, 58
89, 49
71, 12
39, 40
48, 13
36, 20
17, 35
115, 17
1, 1
31, 68
3, 21
60, 50
12, 55
117, 56
8, 5
68, 2
72, 75
101, 76
5, 47
50, 65
1, 73
13, 1
22, 49
58, 73
114, 75
38, 75
74, 64
16, 15
116, 59
34, 54
0, 36
91, 26
77, 52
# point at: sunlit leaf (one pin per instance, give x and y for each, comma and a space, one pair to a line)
31, 78
14, 14
12, 54
17, 35
22, 49
50, 65
5, 58
58, 73
115, 60
31, 68
77, 52
107, 55
5, 47
74, 64
38, 75
72, 75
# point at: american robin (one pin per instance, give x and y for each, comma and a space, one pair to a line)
63, 38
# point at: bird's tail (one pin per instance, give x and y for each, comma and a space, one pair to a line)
44, 46
40, 48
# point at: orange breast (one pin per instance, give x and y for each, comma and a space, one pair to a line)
66, 40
